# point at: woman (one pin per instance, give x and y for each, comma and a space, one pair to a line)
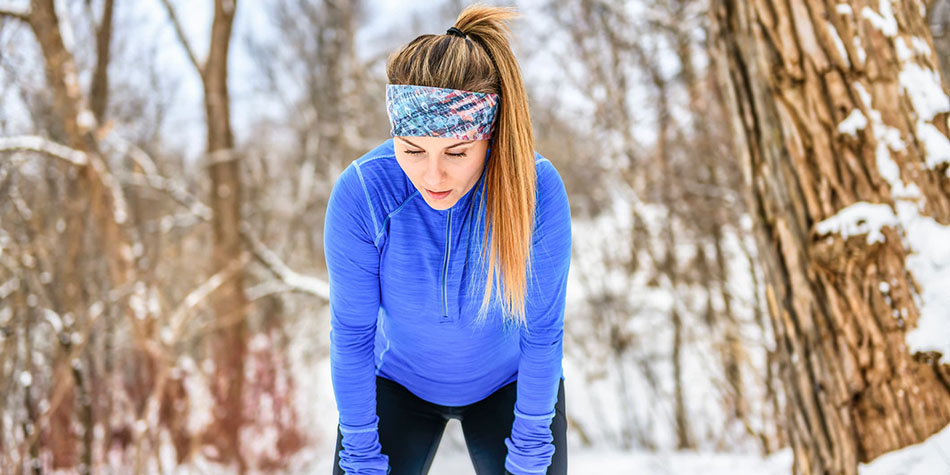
432, 317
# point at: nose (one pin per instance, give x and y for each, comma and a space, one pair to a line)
433, 174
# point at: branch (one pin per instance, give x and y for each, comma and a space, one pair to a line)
173, 188
151, 177
35, 143
181, 36
294, 280
10, 12
183, 311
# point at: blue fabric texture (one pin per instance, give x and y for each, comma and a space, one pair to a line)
406, 285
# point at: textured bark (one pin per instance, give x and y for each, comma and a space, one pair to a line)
854, 391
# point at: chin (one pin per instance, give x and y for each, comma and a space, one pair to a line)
441, 206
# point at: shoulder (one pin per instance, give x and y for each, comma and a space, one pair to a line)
551, 193
376, 181
376, 169
552, 210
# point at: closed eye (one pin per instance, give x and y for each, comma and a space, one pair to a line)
418, 152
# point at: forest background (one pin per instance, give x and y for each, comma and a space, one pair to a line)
748, 291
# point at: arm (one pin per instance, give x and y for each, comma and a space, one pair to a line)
353, 269
530, 446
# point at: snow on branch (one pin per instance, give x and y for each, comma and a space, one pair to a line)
293, 279
35, 143
179, 317
12, 12
859, 218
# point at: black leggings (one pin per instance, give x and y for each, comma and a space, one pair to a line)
410, 429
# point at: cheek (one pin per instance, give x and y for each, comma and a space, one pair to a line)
412, 171
475, 170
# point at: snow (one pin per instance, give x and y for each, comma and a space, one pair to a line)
859, 49
922, 86
860, 218
929, 457
903, 51
54, 320
86, 119
40, 144
936, 145
928, 257
8, 288
838, 43
930, 264
304, 283
645, 463
26, 379
920, 46
636, 384
65, 26
883, 21
853, 123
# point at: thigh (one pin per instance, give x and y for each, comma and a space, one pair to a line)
410, 429
488, 422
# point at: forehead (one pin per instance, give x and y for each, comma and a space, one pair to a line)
437, 142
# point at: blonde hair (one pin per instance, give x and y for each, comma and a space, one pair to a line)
484, 62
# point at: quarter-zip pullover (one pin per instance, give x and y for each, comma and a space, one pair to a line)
406, 285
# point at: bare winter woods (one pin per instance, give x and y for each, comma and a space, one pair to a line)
760, 197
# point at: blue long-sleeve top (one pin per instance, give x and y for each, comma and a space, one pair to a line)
406, 285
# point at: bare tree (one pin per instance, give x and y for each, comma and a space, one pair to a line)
94, 186
228, 344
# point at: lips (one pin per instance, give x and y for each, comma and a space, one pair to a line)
437, 195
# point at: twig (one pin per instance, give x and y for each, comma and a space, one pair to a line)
295, 280
173, 188
181, 313
181, 36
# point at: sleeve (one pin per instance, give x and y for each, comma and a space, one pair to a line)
530, 446
353, 270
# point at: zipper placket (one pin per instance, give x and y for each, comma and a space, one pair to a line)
445, 265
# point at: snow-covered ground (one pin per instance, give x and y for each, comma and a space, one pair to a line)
453, 459
931, 457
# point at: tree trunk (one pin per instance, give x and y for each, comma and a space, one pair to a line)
670, 266
827, 115
228, 345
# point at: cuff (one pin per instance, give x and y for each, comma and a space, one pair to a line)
530, 446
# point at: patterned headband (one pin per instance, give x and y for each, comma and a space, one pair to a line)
422, 111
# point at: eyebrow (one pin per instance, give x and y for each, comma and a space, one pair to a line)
446, 148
